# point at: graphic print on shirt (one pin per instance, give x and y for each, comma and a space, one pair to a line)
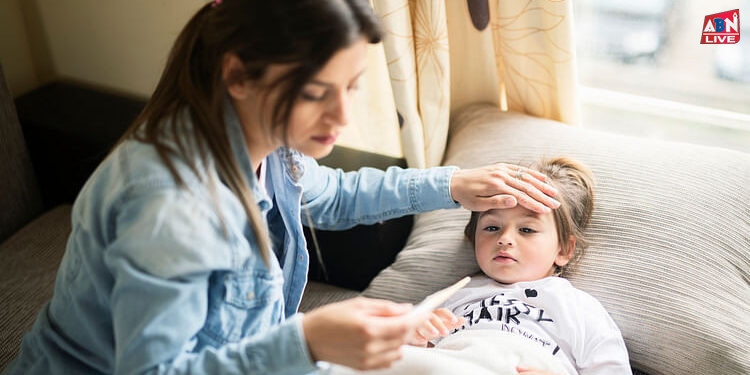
511, 315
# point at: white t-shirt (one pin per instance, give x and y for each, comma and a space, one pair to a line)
568, 322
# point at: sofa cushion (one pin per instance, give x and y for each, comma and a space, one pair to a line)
19, 196
318, 294
29, 264
670, 238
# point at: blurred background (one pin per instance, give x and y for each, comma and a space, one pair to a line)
641, 66
644, 72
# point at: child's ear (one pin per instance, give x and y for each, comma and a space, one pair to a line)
566, 252
232, 72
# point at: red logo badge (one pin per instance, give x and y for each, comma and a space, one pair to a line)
721, 28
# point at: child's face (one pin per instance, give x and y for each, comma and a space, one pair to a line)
516, 244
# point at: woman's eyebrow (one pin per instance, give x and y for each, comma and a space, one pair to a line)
320, 83
330, 85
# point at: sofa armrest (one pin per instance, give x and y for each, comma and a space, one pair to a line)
69, 128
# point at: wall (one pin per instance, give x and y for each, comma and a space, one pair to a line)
122, 45
15, 51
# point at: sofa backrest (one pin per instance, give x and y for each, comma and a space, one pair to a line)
19, 194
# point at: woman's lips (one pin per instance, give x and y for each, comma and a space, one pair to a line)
325, 139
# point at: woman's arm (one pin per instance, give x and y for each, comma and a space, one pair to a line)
339, 200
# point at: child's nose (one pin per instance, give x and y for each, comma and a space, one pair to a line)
505, 238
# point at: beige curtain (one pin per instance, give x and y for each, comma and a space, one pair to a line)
443, 54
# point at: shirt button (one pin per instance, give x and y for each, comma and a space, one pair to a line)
250, 295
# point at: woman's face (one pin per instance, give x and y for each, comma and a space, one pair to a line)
319, 113
324, 106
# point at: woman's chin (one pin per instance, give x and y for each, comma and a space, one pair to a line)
317, 151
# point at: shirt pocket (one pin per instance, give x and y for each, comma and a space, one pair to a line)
247, 302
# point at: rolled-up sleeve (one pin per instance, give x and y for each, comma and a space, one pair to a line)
339, 200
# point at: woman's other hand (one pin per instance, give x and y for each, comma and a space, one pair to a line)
360, 333
440, 324
502, 186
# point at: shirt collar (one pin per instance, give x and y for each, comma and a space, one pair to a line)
241, 154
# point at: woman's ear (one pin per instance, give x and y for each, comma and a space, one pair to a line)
566, 251
233, 75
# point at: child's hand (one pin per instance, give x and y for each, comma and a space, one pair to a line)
441, 323
532, 371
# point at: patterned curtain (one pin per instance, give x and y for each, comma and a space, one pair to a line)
443, 54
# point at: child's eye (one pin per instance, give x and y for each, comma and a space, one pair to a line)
527, 230
491, 228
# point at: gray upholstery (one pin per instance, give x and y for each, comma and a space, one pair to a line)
31, 241
30, 259
19, 195
318, 294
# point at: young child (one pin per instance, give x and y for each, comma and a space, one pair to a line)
522, 255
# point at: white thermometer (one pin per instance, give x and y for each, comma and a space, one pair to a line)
434, 300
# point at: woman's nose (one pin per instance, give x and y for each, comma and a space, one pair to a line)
339, 109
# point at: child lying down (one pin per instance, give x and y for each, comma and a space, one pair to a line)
519, 315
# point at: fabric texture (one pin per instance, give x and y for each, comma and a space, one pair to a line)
318, 294
562, 320
479, 352
670, 238
19, 195
441, 55
29, 263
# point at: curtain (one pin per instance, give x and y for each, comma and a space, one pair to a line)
443, 54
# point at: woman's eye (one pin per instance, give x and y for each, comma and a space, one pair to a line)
314, 97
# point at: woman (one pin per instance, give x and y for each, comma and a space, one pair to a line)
187, 253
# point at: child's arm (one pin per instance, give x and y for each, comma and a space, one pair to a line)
440, 324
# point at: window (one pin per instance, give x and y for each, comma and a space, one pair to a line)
644, 71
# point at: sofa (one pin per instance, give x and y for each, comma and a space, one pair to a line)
669, 256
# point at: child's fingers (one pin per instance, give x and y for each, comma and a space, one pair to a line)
440, 326
449, 320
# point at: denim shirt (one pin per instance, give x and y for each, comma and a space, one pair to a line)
163, 279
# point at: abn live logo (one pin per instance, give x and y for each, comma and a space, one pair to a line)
722, 28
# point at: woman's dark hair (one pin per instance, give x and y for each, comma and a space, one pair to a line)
302, 33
